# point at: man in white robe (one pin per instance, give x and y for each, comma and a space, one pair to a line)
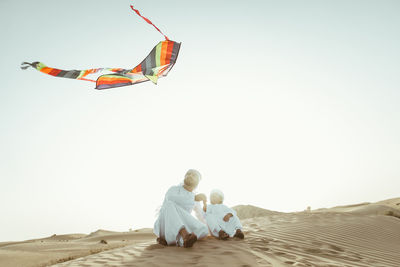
175, 225
222, 221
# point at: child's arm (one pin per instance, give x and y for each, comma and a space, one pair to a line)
227, 217
229, 213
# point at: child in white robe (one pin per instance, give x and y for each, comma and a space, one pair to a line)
175, 225
222, 221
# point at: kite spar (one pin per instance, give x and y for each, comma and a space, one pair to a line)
157, 64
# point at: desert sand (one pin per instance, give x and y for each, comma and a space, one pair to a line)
366, 234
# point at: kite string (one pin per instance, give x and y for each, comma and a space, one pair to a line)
149, 22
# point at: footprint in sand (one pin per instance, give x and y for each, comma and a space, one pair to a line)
154, 246
336, 248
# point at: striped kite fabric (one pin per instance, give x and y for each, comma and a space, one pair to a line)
156, 65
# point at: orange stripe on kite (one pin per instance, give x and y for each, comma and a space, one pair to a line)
87, 72
114, 80
137, 69
46, 70
116, 69
163, 53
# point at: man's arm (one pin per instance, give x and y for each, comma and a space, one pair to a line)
200, 197
174, 196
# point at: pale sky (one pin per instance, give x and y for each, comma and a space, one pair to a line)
280, 104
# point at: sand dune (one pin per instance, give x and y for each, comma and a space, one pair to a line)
386, 207
249, 211
59, 248
366, 234
327, 239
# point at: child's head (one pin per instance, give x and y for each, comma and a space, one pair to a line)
216, 197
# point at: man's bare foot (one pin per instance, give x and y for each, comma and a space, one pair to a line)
162, 241
239, 234
222, 235
188, 239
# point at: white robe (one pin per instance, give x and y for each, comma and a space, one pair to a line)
215, 220
175, 214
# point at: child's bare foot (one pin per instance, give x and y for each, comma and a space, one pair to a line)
162, 241
222, 235
239, 234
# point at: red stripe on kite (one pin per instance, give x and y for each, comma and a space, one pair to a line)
54, 72
169, 52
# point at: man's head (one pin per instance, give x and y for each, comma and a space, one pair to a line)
192, 179
216, 197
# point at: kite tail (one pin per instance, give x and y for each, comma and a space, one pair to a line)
149, 22
25, 65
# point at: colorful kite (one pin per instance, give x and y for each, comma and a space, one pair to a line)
157, 64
